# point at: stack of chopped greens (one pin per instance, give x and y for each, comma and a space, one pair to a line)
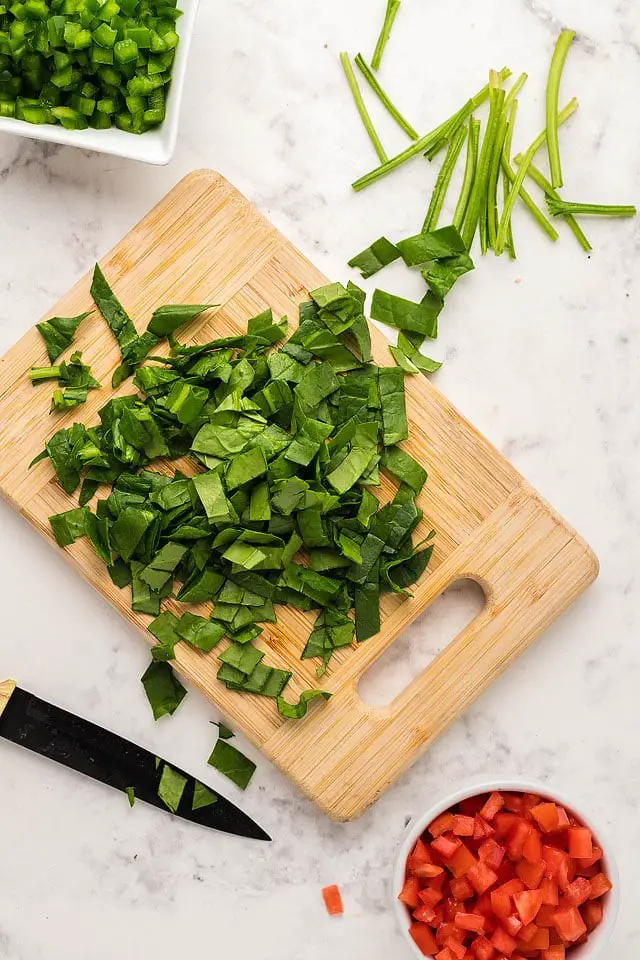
487, 163
87, 63
291, 442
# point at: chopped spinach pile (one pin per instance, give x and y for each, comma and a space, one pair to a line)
290, 442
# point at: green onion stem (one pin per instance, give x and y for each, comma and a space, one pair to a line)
553, 91
539, 178
477, 200
518, 181
371, 79
443, 180
530, 204
494, 171
37, 374
469, 172
506, 154
361, 108
390, 15
559, 208
510, 242
440, 133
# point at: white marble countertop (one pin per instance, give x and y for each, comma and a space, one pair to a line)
543, 355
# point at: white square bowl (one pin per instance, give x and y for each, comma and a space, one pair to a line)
156, 145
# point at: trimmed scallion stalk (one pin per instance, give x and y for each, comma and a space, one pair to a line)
525, 196
539, 178
518, 180
506, 155
390, 15
462, 115
469, 172
494, 170
372, 80
559, 208
437, 136
477, 200
553, 92
443, 180
361, 108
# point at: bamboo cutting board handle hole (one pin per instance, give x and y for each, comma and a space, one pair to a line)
416, 648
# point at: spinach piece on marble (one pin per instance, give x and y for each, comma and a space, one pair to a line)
232, 764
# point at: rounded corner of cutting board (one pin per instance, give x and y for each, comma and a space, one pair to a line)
206, 177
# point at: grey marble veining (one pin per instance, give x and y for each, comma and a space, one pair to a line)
542, 354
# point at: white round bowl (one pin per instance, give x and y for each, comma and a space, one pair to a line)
611, 901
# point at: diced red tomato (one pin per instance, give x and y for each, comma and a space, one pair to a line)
410, 893
556, 952
503, 822
518, 836
553, 858
427, 870
584, 863
527, 904
531, 874
333, 901
445, 845
539, 941
482, 949
512, 925
491, 853
506, 871
470, 806
445, 955
423, 939
470, 921
463, 826
419, 855
599, 886
578, 892
448, 930
482, 829
547, 816
592, 914
545, 915
501, 903
462, 862
441, 824
457, 949
481, 877
514, 802
461, 888
569, 924
504, 877
493, 805
425, 913
580, 842
566, 874
528, 933
452, 907
512, 887
503, 942
430, 895
532, 848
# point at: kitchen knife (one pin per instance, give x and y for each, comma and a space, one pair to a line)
104, 756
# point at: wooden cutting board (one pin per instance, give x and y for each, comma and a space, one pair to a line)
204, 243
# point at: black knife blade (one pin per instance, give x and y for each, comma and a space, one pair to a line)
83, 746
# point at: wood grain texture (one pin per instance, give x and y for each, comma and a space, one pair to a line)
6, 690
204, 243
